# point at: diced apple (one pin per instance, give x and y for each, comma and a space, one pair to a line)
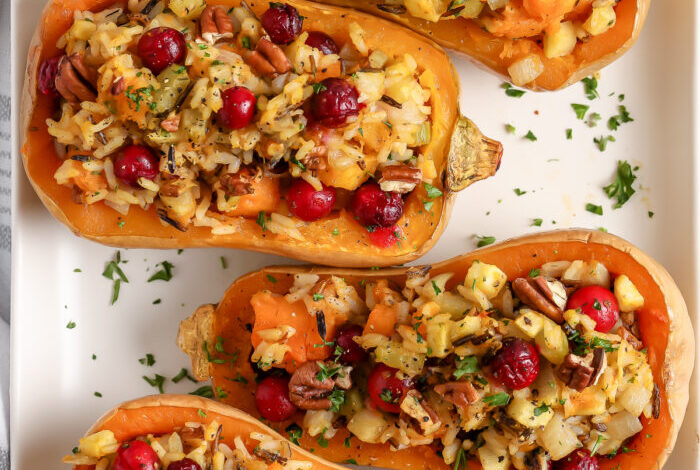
628, 297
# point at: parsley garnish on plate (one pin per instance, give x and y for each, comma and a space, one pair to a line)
623, 116
205, 391
164, 274
530, 136
510, 128
431, 191
590, 87
485, 240
183, 374
598, 210
148, 360
580, 110
569, 134
71, 324
621, 188
602, 142
157, 381
111, 269
518, 191
294, 432
511, 91
536, 222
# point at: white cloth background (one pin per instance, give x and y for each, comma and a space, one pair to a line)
5, 166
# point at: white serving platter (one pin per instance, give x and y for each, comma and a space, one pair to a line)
53, 375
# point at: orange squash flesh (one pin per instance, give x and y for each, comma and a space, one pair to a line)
161, 414
467, 37
664, 324
457, 148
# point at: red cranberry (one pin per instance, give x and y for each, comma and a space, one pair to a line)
135, 162
516, 364
334, 103
272, 399
282, 22
385, 389
599, 304
384, 237
372, 206
184, 464
322, 42
47, 76
352, 352
307, 203
238, 108
580, 459
160, 47
136, 455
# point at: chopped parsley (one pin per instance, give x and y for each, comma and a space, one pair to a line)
530, 136
543, 408
163, 274
183, 374
318, 297
621, 188
148, 360
436, 289
271, 278
318, 88
498, 399
205, 391
623, 117
337, 398
111, 269
71, 324
98, 394
536, 222
580, 110
511, 91
596, 446
590, 87
322, 441
224, 264
466, 365
294, 432
157, 381
510, 128
388, 397
138, 96
593, 119
602, 141
261, 220
598, 210
569, 134
519, 192
201, 413
431, 191
484, 240
327, 372
534, 272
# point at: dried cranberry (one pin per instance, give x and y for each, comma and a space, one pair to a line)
282, 23
385, 389
384, 237
137, 161
352, 352
516, 364
160, 47
238, 107
136, 455
272, 399
47, 76
598, 303
580, 459
372, 206
307, 203
334, 103
184, 464
322, 42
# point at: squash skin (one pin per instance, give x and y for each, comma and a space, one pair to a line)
482, 48
461, 153
159, 414
664, 323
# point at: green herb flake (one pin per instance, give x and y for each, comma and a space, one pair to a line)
183, 374
261, 220
498, 399
272, 278
201, 413
593, 119
337, 398
156, 302
431, 191
148, 360
466, 365
77, 270
569, 134
484, 240
318, 88
590, 87
530, 136
602, 142
71, 324
621, 188
294, 432
594, 209
322, 441
164, 274
205, 391
510, 128
596, 446
536, 222
519, 192
543, 408
511, 91
157, 381
650, 214
580, 110
224, 264
98, 394
534, 272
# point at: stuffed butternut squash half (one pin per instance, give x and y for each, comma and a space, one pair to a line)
539, 44
570, 348
183, 432
311, 131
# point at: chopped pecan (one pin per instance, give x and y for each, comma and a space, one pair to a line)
172, 187
627, 335
538, 294
655, 402
215, 24
629, 319
576, 372
171, 123
400, 178
307, 392
73, 86
415, 406
461, 394
598, 364
268, 58
118, 86
238, 184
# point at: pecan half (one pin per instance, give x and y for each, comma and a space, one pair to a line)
627, 335
215, 24
238, 184
538, 294
70, 82
576, 372
268, 58
400, 178
171, 123
307, 392
460, 394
